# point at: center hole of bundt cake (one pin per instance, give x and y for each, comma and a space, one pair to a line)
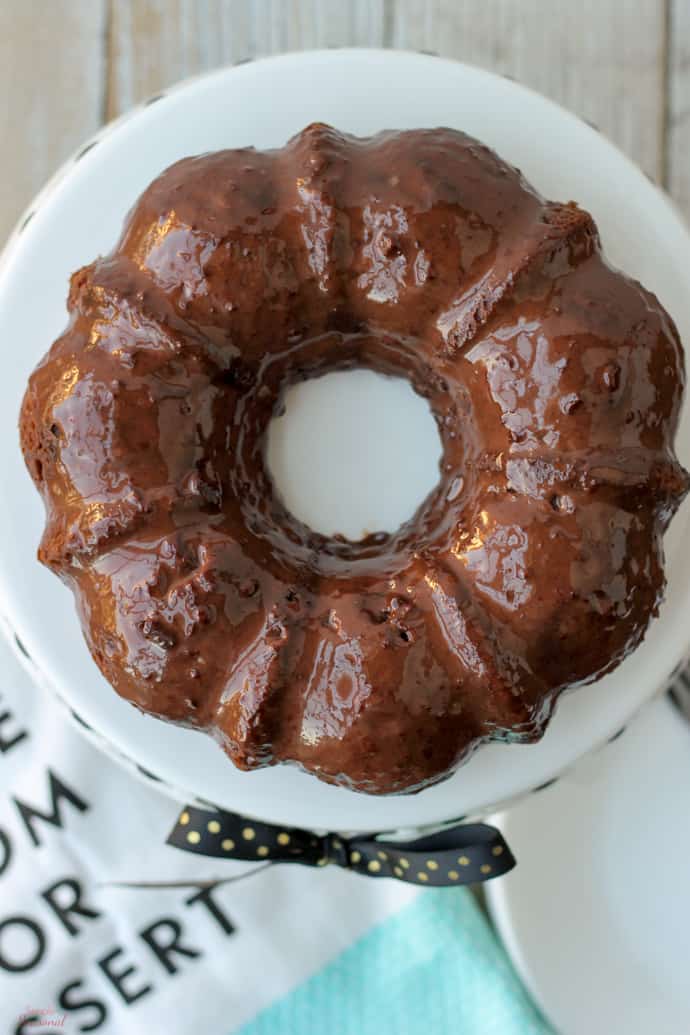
354, 452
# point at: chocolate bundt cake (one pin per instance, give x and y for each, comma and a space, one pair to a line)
536, 563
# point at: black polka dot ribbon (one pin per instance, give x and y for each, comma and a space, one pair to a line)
463, 854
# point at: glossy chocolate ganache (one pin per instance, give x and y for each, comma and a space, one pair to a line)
536, 563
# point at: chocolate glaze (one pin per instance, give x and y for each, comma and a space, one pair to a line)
535, 565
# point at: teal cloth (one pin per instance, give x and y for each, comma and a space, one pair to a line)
435, 968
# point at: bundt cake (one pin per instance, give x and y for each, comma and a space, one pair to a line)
536, 563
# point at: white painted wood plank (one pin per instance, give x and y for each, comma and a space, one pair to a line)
603, 59
52, 62
280, 25
679, 106
156, 42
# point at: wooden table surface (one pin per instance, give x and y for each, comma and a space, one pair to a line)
66, 66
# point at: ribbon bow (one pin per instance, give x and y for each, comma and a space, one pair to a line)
463, 854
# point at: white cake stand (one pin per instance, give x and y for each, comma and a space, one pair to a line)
80, 214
